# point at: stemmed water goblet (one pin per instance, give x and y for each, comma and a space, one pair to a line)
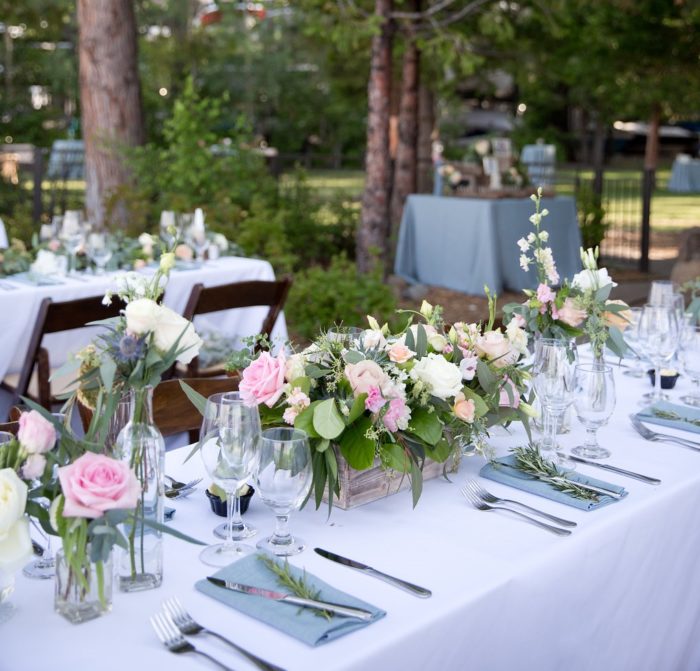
594, 401
230, 454
658, 335
284, 480
72, 236
238, 528
631, 336
690, 354
554, 375
99, 249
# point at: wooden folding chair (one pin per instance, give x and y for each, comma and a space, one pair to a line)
257, 293
33, 378
10, 427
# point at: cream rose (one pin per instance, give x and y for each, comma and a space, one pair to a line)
443, 379
142, 316
570, 314
15, 543
169, 327
496, 348
364, 375
619, 319
399, 353
464, 408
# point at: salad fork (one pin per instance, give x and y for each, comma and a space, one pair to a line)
482, 505
188, 625
174, 641
486, 496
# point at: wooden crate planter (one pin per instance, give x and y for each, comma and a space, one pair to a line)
360, 487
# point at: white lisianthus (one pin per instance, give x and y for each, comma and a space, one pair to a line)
437, 342
517, 337
426, 309
169, 327
15, 542
142, 316
442, 378
107, 300
373, 339
588, 280
295, 367
167, 262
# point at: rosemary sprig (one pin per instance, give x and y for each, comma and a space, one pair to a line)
674, 416
298, 586
529, 460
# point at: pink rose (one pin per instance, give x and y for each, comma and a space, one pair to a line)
504, 400
464, 408
399, 353
364, 375
95, 483
184, 252
496, 348
54, 245
397, 416
36, 434
33, 468
570, 314
263, 380
374, 401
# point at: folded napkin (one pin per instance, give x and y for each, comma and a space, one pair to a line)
683, 411
504, 470
301, 623
34, 279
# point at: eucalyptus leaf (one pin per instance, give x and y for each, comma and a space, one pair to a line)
416, 482
197, 400
394, 456
487, 378
327, 420
305, 420
421, 341
358, 408
357, 449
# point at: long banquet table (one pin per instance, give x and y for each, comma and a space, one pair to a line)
622, 593
20, 305
465, 243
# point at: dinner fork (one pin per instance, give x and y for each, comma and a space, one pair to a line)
174, 641
486, 496
176, 484
482, 505
188, 625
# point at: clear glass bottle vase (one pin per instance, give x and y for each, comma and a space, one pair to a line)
141, 445
85, 593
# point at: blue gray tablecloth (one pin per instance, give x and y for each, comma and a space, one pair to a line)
685, 176
465, 243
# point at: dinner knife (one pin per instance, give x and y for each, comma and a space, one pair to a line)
616, 469
338, 609
359, 566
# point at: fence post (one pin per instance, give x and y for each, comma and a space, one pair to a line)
648, 180
38, 177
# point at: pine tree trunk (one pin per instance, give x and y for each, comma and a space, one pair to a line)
374, 224
426, 125
110, 98
406, 167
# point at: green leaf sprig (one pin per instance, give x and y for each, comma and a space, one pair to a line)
529, 460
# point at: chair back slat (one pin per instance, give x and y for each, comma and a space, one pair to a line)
11, 427
70, 315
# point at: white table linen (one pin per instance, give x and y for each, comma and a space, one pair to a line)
622, 593
19, 308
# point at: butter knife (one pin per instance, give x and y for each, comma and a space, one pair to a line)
616, 469
403, 584
345, 611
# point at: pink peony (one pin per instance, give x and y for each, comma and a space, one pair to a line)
397, 416
263, 380
570, 314
36, 434
374, 401
95, 483
504, 400
364, 375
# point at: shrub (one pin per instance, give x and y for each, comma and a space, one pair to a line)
591, 217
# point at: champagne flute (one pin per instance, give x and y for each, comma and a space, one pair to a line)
284, 481
238, 528
594, 401
691, 363
230, 455
658, 337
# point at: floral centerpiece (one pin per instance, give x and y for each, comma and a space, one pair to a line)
392, 399
576, 308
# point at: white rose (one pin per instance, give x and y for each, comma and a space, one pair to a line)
48, 263
142, 316
443, 378
220, 241
169, 327
373, 339
295, 367
592, 279
15, 543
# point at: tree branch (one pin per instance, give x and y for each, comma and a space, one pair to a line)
426, 14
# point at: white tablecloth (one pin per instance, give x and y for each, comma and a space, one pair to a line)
622, 593
18, 308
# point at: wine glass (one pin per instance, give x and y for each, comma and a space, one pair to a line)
554, 375
99, 249
197, 239
631, 337
168, 229
594, 401
72, 236
691, 363
284, 481
658, 338
238, 528
230, 454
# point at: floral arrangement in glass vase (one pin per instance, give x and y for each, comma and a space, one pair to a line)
576, 308
397, 399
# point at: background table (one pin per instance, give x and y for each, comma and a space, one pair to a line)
622, 592
19, 308
685, 176
465, 243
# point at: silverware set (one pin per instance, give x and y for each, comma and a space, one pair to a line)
180, 490
173, 623
648, 434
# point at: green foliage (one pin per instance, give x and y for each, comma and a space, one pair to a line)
321, 297
591, 217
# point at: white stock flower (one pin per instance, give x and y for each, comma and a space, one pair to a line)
523, 244
536, 219
525, 262
15, 542
142, 316
531, 237
169, 327
442, 378
544, 236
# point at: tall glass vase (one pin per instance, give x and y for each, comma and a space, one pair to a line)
141, 444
